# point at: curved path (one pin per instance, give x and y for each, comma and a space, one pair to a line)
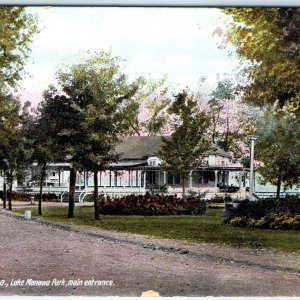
42, 258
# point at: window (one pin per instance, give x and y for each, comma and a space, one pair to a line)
174, 178
152, 162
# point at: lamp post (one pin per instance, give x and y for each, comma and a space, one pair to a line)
252, 139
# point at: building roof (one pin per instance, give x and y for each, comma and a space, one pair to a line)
138, 147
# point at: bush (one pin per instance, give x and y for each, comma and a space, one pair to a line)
221, 199
46, 196
17, 196
152, 205
270, 221
267, 213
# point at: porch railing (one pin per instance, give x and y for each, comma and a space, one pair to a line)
264, 195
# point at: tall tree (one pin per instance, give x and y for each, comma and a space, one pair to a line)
230, 118
17, 29
268, 41
278, 147
98, 96
65, 133
223, 108
189, 143
11, 150
38, 132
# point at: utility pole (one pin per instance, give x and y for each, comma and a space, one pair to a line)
252, 139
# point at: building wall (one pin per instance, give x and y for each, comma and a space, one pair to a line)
217, 160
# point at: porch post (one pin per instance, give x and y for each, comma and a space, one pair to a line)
216, 178
240, 179
191, 179
165, 177
130, 183
59, 177
145, 179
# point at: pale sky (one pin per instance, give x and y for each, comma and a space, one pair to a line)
177, 42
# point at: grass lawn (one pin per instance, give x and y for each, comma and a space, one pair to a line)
204, 228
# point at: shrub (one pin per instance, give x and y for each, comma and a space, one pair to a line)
152, 205
267, 213
18, 196
46, 196
221, 199
238, 221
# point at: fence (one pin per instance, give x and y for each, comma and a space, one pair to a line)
264, 195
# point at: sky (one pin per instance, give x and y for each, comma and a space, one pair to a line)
177, 42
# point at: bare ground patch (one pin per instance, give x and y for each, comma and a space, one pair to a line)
43, 251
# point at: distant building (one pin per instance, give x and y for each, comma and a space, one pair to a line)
139, 170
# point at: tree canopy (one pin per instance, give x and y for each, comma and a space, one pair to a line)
189, 143
278, 148
268, 40
90, 111
16, 30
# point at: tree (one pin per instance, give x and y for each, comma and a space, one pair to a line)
9, 120
65, 134
268, 41
97, 95
17, 29
230, 118
277, 147
153, 101
189, 143
11, 151
37, 131
225, 109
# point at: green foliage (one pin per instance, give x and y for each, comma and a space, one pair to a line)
16, 30
12, 152
271, 221
220, 199
268, 40
97, 103
267, 213
189, 142
278, 147
153, 98
94, 101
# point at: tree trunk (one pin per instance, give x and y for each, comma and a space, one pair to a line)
72, 192
214, 127
10, 191
4, 193
43, 171
96, 196
183, 187
278, 187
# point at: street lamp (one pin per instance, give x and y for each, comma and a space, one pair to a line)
251, 138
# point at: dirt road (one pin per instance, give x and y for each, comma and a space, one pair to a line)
39, 258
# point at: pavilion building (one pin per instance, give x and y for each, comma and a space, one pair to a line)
139, 170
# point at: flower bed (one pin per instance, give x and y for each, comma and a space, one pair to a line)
21, 196
152, 205
267, 213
